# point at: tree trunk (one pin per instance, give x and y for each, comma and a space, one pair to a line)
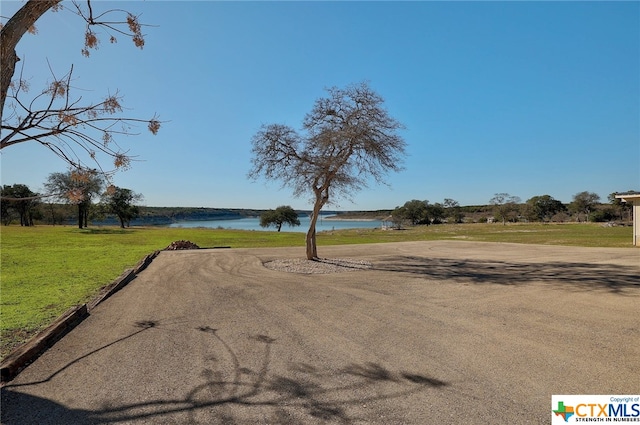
80, 216
53, 214
312, 249
11, 34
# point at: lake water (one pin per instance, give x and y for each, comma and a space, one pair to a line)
254, 224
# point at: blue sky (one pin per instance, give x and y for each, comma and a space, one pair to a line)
528, 98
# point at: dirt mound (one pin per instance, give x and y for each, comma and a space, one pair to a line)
174, 246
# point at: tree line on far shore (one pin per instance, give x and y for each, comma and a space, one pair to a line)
503, 207
87, 198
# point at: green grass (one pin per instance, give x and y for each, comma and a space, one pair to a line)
45, 270
570, 234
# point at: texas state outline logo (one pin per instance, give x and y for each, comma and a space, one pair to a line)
564, 411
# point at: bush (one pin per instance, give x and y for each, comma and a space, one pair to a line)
601, 216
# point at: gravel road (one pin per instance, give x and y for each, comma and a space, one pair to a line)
447, 332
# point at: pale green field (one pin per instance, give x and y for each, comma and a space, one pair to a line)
45, 270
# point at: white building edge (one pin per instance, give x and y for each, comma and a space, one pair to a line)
634, 199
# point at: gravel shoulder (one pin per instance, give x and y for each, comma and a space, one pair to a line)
442, 332
317, 266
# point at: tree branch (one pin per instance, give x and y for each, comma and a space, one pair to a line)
53, 118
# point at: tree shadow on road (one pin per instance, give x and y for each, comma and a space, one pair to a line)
142, 326
231, 393
581, 276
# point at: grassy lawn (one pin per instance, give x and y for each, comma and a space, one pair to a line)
45, 270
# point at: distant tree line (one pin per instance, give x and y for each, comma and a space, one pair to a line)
506, 208
86, 198
72, 190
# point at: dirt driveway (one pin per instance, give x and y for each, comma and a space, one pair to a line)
435, 332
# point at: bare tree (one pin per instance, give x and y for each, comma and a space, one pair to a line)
453, 210
622, 208
54, 117
584, 202
348, 137
505, 205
